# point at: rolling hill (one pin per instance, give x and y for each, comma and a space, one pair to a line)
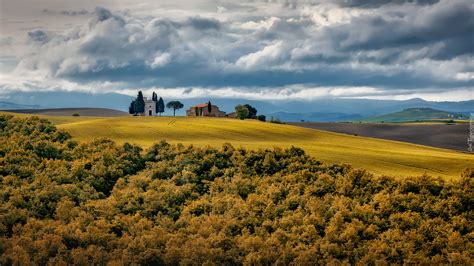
441, 135
382, 157
101, 112
417, 114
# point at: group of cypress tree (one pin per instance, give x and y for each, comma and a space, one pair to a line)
137, 106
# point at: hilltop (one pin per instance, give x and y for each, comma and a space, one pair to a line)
417, 114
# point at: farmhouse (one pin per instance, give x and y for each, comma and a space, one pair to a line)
203, 110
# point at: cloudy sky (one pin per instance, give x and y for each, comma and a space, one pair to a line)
254, 49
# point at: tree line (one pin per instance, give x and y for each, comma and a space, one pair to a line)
67, 202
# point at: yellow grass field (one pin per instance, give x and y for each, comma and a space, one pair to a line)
376, 155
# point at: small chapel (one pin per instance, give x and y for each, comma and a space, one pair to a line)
150, 107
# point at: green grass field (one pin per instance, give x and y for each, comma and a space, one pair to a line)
376, 155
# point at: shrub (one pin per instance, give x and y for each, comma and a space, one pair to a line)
275, 120
241, 112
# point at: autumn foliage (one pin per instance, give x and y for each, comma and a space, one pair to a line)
63, 202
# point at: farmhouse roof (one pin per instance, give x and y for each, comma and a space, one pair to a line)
201, 105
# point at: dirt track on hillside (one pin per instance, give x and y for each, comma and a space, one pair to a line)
436, 135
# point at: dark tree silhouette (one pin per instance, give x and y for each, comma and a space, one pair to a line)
252, 111
209, 107
131, 108
140, 103
175, 105
160, 106
158, 109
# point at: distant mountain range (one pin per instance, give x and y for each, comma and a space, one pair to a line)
313, 117
64, 99
9, 106
417, 114
72, 112
327, 109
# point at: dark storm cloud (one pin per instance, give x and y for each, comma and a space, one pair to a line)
451, 25
378, 3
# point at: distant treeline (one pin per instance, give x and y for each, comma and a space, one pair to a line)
64, 202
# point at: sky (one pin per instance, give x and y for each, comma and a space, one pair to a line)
252, 49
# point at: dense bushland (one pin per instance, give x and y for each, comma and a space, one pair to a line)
63, 202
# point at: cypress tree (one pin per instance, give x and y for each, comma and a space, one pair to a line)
140, 103
154, 98
209, 107
160, 106
131, 108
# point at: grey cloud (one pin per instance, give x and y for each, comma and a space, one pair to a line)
451, 25
38, 36
203, 23
75, 12
286, 29
102, 14
379, 3
368, 4
79, 12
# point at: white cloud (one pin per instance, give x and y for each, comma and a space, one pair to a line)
294, 92
161, 60
465, 76
264, 24
268, 56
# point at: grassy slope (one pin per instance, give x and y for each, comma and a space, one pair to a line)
415, 114
376, 155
